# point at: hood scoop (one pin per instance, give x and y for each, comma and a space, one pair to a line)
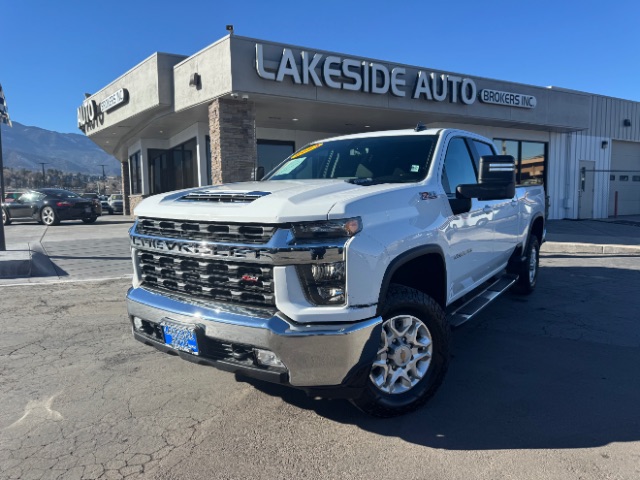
217, 196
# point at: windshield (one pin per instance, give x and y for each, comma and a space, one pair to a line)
369, 160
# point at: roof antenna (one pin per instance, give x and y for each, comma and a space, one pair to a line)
420, 127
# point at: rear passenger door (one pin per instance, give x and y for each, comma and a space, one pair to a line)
469, 234
504, 214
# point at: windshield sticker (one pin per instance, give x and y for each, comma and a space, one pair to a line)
290, 166
415, 168
306, 150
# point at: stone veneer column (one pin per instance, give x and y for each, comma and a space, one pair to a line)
232, 129
124, 170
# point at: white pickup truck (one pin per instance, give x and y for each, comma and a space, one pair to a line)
344, 270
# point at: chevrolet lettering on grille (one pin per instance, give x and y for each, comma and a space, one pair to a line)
171, 246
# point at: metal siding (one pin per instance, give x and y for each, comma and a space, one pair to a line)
556, 175
608, 114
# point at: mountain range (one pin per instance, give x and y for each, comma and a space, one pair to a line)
26, 147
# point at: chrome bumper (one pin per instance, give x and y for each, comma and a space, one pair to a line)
314, 355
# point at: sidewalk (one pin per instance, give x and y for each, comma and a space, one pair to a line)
67, 252
601, 236
107, 255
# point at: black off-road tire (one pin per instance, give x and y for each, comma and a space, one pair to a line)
528, 274
6, 219
404, 301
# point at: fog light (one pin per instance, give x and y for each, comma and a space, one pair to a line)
267, 358
327, 272
332, 294
137, 323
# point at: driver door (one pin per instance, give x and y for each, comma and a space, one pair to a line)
21, 207
469, 234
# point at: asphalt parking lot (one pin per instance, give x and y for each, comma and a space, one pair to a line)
544, 386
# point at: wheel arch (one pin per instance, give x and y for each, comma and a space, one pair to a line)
407, 267
536, 227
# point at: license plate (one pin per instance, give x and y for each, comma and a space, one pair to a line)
87, 209
180, 337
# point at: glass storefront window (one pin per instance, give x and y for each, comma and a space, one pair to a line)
531, 159
134, 174
272, 152
532, 163
173, 169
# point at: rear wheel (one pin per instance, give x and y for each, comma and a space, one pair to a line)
412, 358
90, 219
6, 220
528, 274
49, 216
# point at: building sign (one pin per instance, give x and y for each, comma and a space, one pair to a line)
90, 113
113, 100
370, 77
507, 98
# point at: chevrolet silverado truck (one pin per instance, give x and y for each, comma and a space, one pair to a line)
343, 271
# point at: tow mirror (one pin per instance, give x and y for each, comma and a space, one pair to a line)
496, 180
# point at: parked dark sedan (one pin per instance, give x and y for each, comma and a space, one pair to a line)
50, 206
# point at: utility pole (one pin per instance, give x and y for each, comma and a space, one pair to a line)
3, 244
43, 177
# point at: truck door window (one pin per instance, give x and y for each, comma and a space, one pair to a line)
458, 166
483, 149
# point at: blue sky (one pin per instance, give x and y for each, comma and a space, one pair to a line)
54, 51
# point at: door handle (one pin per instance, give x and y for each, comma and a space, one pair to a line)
487, 209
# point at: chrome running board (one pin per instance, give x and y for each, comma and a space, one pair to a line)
475, 305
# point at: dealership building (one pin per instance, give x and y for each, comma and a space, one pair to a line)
239, 104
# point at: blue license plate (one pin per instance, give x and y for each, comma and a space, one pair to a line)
180, 337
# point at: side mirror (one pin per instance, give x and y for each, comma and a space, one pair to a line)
496, 181
258, 173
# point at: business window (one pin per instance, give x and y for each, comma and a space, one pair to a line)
134, 174
531, 159
173, 169
272, 152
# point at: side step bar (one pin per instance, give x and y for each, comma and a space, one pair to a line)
483, 298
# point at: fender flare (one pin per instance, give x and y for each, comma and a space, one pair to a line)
405, 258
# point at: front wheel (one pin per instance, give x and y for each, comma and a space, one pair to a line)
49, 216
412, 357
6, 220
528, 274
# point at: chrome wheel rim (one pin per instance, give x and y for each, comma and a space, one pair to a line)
47, 216
533, 265
404, 355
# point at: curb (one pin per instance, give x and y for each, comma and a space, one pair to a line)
564, 247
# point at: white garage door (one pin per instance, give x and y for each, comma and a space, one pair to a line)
625, 178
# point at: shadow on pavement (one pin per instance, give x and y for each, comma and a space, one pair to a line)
528, 373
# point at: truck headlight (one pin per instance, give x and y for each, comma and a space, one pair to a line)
324, 282
346, 227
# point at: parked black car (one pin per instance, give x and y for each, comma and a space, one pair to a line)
50, 206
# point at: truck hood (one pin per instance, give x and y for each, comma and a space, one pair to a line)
279, 201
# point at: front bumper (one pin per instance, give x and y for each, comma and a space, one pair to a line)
326, 355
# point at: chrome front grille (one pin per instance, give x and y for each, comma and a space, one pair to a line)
219, 280
205, 231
